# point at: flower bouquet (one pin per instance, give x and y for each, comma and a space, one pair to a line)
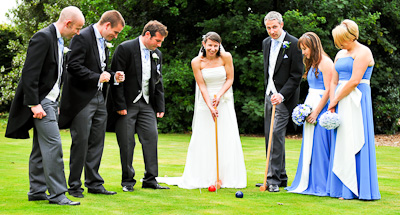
300, 112
329, 120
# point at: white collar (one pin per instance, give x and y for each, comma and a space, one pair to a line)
282, 37
57, 31
97, 32
142, 46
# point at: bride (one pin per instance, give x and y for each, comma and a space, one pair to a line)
213, 71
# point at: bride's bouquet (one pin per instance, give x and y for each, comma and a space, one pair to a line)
329, 120
300, 113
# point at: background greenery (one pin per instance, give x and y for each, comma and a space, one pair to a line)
14, 184
240, 23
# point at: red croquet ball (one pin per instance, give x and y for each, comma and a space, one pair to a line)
211, 188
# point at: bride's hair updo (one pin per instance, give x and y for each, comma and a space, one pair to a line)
214, 37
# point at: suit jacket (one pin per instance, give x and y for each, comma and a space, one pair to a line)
288, 70
39, 74
82, 78
127, 58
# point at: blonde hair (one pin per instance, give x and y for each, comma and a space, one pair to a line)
346, 31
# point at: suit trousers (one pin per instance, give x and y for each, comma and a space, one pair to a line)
276, 169
141, 119
46, 165
88, 132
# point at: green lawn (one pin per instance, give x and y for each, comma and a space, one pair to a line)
14, 184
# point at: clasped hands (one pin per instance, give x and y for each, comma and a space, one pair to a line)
119, 77
215, 103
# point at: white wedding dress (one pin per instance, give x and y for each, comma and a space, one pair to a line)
201, 169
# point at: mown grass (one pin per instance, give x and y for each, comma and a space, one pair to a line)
14, 184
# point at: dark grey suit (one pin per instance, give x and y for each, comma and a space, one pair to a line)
287, 76
141, 117
83, 110
39, 75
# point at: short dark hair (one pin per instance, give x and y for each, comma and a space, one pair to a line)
112, 16
155, 26
214, 37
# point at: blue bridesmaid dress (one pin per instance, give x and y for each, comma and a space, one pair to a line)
318, 167
365, 159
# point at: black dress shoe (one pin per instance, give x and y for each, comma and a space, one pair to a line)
128, 188
76, 194
104, 191
259, 184
65, 201
37, 197
156, 186
283, 184
273, 188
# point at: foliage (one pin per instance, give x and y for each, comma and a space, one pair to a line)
7, 38
179, 97
240, 24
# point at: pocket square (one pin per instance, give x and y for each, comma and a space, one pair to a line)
284, 57
158, 66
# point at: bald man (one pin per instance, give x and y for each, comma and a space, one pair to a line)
36, 105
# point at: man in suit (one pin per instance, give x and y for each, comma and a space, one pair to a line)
36, 105
83, 107
138, 101
283, 68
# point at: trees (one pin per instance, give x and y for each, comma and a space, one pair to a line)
240, 24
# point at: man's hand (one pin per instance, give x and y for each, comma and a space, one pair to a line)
120, 76
276, 99
38, 112
122, 112
160, 114
105, 77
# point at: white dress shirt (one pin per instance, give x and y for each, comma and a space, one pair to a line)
276, 46
146, 72
102, 52
53, 94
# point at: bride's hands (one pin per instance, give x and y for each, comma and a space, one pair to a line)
214, 112
216, 100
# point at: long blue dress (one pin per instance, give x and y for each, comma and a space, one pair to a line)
365, 159
313, 183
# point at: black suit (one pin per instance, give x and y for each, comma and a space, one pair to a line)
83, 109
39, 76
287, 76
141, 117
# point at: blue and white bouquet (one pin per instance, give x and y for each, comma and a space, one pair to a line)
329, 120
300, 113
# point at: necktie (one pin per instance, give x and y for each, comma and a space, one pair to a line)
61, 53
275, 45
146, 54
102, 43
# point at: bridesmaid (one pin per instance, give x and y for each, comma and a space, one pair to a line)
353, 172
312, 170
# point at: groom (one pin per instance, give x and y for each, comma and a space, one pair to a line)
283, 69
138, 101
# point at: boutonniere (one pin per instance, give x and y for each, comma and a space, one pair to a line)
109, 45
66, 50
155, 56
286, 44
